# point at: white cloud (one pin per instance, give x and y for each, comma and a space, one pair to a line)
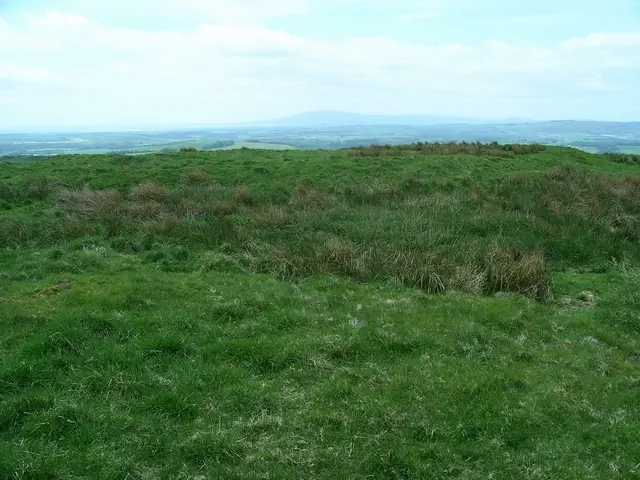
597, 84
225, 11
408, 17
604, 40
16, 75
233, 72
55, 22
247, 40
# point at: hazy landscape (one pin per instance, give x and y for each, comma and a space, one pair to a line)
332, 130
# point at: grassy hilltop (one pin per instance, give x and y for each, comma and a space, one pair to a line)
424, 311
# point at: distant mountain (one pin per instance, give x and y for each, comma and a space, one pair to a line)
329, 118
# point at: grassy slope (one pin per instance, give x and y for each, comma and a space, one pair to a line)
176, 360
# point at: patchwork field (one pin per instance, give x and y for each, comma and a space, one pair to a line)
426, 311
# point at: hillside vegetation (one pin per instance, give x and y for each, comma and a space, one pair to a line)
422, 311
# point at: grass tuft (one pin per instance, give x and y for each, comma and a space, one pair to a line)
512, 270
195, 176
272, 216
243, 196
307, 198
150, 192
87, 204
37, 189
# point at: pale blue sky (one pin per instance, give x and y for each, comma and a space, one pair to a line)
172, 62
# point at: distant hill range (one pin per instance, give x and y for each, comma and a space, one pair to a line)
330, 118
331, 130
348, 129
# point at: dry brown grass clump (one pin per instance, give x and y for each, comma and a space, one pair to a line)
361, 194
6, 192
91, 204
195, 176
272, 216
189, 209
223, 208
145, 209
37, 189
606, 201
308, 198
467, 278
243, 196
416, 270
164, 224
513, 270
150, 191
340, 255
279, 262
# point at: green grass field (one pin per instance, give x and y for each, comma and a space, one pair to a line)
259, 146
402, 313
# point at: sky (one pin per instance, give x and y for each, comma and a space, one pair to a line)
159, 63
